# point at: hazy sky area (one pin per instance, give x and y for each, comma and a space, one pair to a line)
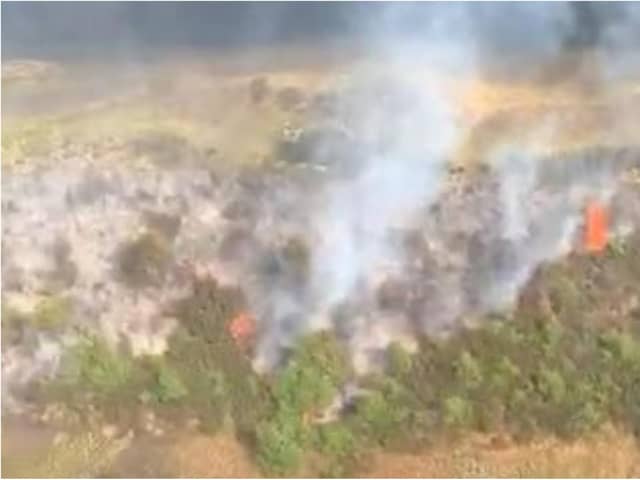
519, 31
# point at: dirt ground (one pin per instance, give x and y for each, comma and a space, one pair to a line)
220, 456
610, 453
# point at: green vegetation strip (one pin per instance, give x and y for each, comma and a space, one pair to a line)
541, 371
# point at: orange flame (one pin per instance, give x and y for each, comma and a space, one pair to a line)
242, 328
596, 227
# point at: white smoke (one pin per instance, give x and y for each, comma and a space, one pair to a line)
390, 187
407, 120
409, 131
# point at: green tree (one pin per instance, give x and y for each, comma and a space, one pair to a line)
281, 442
399, 360
168, 387
96, 365
457, 412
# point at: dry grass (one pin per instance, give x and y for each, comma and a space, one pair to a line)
221, 456
209, 112
609, 453
80, 456
544, 118
209, 104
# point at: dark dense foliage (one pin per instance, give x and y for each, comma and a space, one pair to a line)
144, 261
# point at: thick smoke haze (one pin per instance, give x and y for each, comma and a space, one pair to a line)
508, 35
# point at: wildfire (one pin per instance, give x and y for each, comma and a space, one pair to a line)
596, 227
242, 328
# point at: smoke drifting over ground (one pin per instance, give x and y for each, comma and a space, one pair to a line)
525, 212
398, 242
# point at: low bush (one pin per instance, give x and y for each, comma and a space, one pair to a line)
314, 372
457, 412
316, 369
144, 261
94, 365
335, 440
13, 324
378, 417
52, 312
281, 442
65, 271
216, 372
168, 387
399, 361
163, 224
541, 370
205, 314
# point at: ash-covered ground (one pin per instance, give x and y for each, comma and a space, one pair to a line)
361, 223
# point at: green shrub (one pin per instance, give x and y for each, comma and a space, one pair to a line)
196, 363
13, 325
552, 386
566, 299
457, 412
623, 347
301, 389
65, 272
316, 369
617, 248
469, 370
281, 443
168, 387
217, 374
52, 312
335, 439
525, 375
93, 364
381, 415
545, 369
206, 313
504, 376
399, 360
587, 418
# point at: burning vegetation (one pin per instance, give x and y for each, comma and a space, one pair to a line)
405, 260
317, 335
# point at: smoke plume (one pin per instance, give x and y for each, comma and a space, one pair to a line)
399, 243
